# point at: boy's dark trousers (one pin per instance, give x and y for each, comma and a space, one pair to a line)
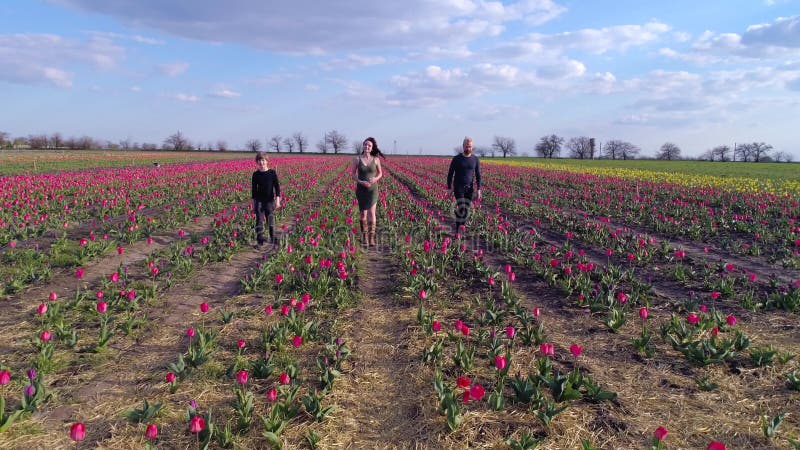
261, 209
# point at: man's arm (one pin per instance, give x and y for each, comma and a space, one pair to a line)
450, 172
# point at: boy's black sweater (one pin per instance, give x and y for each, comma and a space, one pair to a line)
265, 185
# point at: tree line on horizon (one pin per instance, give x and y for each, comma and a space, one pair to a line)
548, 146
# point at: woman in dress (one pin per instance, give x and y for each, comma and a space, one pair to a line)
366, 173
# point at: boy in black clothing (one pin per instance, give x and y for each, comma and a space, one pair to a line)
266, 197
463, 168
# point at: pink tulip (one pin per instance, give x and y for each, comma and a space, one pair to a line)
500, 362
101, 307
240, 344
622, 297
715, 295
422, 294
53, 296
204, 307
241, 377
272, 395
576, 350
693, 318
79, 273
284, 378
45, 336
151, 432
643, 313
42, 310
77, 432
196, 424
510, 332
436, 326
5, 377
715, 445
120, 250
190, 332
278, 278
660, 433
731, 320
170, 377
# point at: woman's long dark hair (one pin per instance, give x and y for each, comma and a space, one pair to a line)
375, 150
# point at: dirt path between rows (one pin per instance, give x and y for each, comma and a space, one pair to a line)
382, 396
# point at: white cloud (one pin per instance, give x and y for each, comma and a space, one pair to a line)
191, 98
353, 61
47, 58
225, 93
173, 69
784, 32
600, 40
311, 87
135, 89
329, 26
147, 40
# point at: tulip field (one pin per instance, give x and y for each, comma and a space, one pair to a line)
580, 308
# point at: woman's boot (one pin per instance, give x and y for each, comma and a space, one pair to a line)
372, 230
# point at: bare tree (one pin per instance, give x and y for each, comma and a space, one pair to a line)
337, 141
579, 147
253, 145
275, 143
322, 145
125, 144
177, 141
38, 141
301, 141
222, 146
741, 152
289, 144
720, 153
3, 139
481, 151
549, 146
149, 146
357, 145
506, 146
618, 149
669, 152
758, 151
56, 141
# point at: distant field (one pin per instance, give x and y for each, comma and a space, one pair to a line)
761, 177
38, 161
772, 171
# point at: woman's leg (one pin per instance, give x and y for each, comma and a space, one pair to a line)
363, 222
372, 224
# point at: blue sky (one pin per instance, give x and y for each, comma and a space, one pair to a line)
418, 73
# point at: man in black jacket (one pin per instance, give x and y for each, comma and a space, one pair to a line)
463, 169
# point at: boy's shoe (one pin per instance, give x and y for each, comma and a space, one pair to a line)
260, 240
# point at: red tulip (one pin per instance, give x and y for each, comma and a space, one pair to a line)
463, 382
240, 344
575, 349
436, 326
622, 297
714, 445
77, 432
278, 278
660, 433
241, 377
536, 312
692, 318
190, 332
79, 273
477, 392
196, 424
500, 362
268, 310
715, 295
151, 432
284, 378
731, 320
204, 307
170, 377
5, 377
297, 341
